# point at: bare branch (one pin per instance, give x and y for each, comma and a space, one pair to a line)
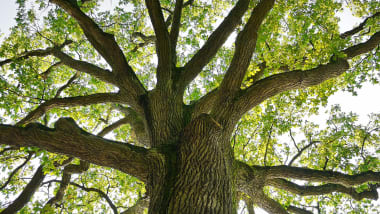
323, 189
358, 28
67, 135
62, 88
163, 46
301, 151
214, 42
69, 102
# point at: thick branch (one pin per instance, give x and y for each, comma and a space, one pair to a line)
69, 102
106, 45
268, 204
204, 104
358, 28
174, 31
277, 83
85, 67
321, 176
244, 47
322, 189
113, 126
364, 47
298, 210
137, 125
214, 42
67, 135
28, 191
163, 46
139, 207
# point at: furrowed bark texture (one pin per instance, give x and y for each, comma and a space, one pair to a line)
203, 183
189, 166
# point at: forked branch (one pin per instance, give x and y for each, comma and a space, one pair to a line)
106, 45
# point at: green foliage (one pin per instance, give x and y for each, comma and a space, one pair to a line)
297, 34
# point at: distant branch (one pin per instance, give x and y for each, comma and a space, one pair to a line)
174, 32
69, 102
38, 53
323, 189
321, 176
301, 151
358, 28
66, 177
90, 189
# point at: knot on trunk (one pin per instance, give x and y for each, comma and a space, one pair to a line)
68, 125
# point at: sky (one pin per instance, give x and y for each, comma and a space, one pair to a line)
367, 101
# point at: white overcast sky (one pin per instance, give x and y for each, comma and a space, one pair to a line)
367, 101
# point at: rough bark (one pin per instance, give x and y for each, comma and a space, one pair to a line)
68, 138
204, 175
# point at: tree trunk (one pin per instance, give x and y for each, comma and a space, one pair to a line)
199, 179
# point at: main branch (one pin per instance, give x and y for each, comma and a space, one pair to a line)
67, 138
214, 43
106, 45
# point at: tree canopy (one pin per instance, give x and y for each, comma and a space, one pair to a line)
117, 108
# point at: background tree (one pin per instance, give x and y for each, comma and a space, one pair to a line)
195, 123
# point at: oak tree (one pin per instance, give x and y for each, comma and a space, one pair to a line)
186, 107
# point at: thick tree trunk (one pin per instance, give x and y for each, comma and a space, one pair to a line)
199, 179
